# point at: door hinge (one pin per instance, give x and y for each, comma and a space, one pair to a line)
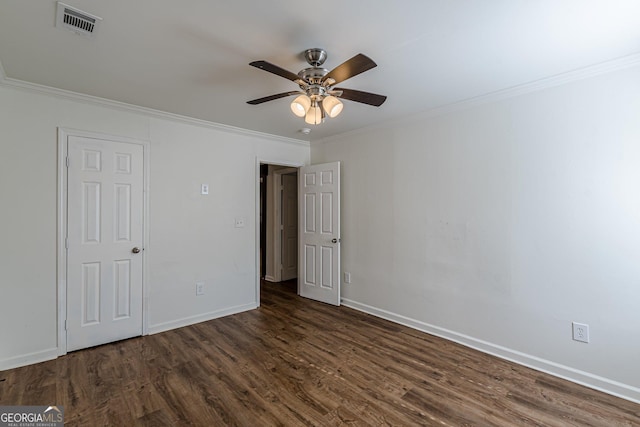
65, 324
66, 161
66, 243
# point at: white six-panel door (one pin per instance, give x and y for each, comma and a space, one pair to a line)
105, 238
319, 222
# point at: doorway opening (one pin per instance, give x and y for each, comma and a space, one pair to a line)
318, 241
278, 222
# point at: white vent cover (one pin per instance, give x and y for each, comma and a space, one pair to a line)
73, 19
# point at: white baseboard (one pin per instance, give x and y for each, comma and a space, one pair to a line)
191, 320
52, 353
596, 382
28, 359
269, 278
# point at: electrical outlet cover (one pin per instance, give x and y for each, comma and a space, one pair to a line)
199, 288
580, 332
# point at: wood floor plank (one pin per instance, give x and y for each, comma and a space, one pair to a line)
157, 418
298, 362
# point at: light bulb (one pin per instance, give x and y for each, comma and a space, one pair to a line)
332, 105
301, 105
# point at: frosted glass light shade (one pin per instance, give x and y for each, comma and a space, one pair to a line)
314, 115
301, 105
332, 105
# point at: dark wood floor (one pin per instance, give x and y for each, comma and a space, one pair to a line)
298, 362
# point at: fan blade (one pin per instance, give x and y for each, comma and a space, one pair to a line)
354, 66
363, 97
272, 97
267, 66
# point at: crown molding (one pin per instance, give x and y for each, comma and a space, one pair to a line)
502, 94
150, 112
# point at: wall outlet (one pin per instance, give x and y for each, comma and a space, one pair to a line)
347, 277
204, 189
239, 222
580, 332
199, 288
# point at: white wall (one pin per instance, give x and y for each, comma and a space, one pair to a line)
192, 237
499, 225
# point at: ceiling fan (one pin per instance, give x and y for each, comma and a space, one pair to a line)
317, 96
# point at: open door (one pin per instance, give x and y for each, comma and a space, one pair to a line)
319, 236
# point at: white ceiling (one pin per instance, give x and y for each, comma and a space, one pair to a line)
191, 57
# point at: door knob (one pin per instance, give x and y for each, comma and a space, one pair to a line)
136, 250
334, 240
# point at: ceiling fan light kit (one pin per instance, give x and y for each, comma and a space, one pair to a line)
315, 115
301, 105
332, 106
318, 97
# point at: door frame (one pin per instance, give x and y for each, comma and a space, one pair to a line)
264, 161
61, 226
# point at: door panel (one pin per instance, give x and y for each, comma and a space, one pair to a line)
326, 262
91, 285
122, 289
104, 224
310, 213
123, 212
319, 195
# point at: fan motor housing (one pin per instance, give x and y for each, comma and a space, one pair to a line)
316, 92
313, 75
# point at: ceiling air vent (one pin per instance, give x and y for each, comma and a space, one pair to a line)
73, 19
